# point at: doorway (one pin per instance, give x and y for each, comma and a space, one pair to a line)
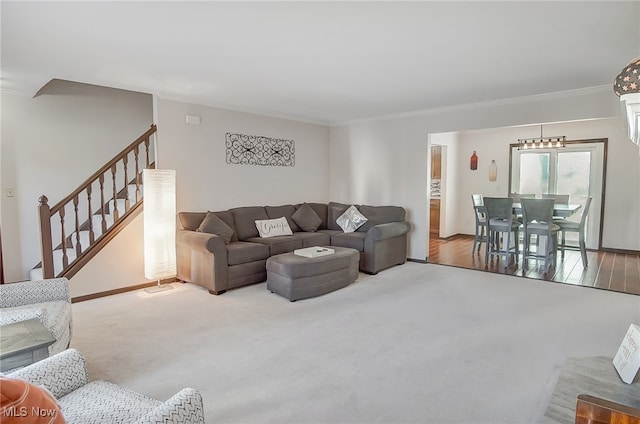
435, 191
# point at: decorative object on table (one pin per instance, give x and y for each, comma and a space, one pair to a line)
627, 359
245, 149
493, 171
25, 403
474, 161
159, 226
313, 252
555, 142
627, 87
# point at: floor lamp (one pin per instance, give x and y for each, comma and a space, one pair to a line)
159, 187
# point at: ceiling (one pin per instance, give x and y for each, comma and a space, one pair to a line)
322, 62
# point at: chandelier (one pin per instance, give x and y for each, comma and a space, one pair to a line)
555, 142
627, 87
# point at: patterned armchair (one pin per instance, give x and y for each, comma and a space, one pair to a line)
100, 402
47, 300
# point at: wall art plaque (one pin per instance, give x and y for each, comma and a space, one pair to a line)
245, 149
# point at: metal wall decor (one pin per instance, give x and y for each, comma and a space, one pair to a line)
245, 149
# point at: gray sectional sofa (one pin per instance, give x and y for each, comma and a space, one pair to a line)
223, 250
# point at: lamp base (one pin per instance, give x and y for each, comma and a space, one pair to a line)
158, 288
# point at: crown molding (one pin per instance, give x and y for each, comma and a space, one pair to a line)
480, 105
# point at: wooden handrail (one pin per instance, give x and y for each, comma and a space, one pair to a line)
74, 257
105, 168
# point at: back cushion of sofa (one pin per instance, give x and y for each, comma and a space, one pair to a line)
190, 220
380, 215
321, 210
285, 210
334, 210
245, 220
227, 217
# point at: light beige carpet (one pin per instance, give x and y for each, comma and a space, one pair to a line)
417, 343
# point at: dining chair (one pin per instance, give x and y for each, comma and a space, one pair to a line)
576, 227
537, 220
560, 199
499, 213
519, 196
480, 213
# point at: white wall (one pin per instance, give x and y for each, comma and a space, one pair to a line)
50, 145
385, 161
206, 182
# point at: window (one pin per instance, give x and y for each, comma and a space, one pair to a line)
577, 170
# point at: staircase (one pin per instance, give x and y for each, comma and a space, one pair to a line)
82, 223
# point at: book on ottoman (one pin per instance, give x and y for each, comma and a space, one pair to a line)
313, 252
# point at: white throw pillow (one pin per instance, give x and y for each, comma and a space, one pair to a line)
351, 220
273, 227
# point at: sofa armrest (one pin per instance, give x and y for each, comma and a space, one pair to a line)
388, 230
61, 374
183, 407
203, 242
22, 314
38, 291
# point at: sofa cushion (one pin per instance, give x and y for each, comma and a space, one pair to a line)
273, 227
313, 239
280, 244
381, 215
353, 240
334, 210
212, 224
321, 210
285, 210
190, 220
240, 252
351, 220
306, 218
245, 219
227, 217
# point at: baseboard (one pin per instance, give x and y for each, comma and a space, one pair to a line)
621, 251
420, 261
120, 290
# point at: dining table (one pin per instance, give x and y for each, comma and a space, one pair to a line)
559, 210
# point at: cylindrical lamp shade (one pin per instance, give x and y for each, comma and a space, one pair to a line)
159, 223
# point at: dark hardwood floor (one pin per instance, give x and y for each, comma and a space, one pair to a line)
606, 270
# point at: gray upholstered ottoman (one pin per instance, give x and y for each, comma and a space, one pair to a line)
298, 277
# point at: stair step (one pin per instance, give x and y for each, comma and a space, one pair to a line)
131, 188
36, 273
